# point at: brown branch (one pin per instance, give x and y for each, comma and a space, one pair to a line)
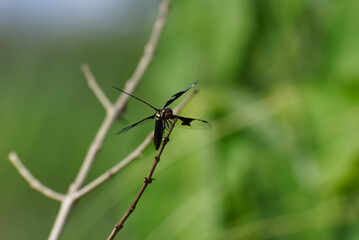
112, 112
111, 115
146, 182
33, 182
131, 157
115, 169
120, 103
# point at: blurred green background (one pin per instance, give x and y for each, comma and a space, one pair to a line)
278, 80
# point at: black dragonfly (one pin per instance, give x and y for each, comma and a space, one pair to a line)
164, 117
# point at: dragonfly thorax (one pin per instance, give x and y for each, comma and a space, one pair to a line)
164, 114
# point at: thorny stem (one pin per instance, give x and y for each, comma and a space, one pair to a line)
147, 180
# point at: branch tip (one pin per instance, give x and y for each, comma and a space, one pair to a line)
84, 67
32, 181
96, 89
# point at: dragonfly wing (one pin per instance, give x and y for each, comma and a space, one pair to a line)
180, 93
192, 123
136, 98
136, 124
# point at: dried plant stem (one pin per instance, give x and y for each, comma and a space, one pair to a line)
131, 157
111, 113
114, 110
33, 182
147, 180
117, 108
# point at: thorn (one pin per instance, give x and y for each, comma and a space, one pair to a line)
146, 180
165, 140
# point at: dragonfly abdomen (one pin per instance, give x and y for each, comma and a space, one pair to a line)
158, 132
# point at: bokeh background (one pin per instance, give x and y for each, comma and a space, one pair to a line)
278, 80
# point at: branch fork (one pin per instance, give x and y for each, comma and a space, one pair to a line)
114, 110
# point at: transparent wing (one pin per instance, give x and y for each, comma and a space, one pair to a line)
192, 123
137, 124
177, 95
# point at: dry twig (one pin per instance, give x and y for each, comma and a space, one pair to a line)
146, 181
76, 189
131, 157
33, 182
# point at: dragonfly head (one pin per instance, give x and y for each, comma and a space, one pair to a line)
165, 113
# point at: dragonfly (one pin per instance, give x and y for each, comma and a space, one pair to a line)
164, 117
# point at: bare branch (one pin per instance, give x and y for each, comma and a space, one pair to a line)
147, 56
114, 170
146, 182
112, 112
96, 88
92, 151
116, 110
33, 182
131, 157
121, 101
